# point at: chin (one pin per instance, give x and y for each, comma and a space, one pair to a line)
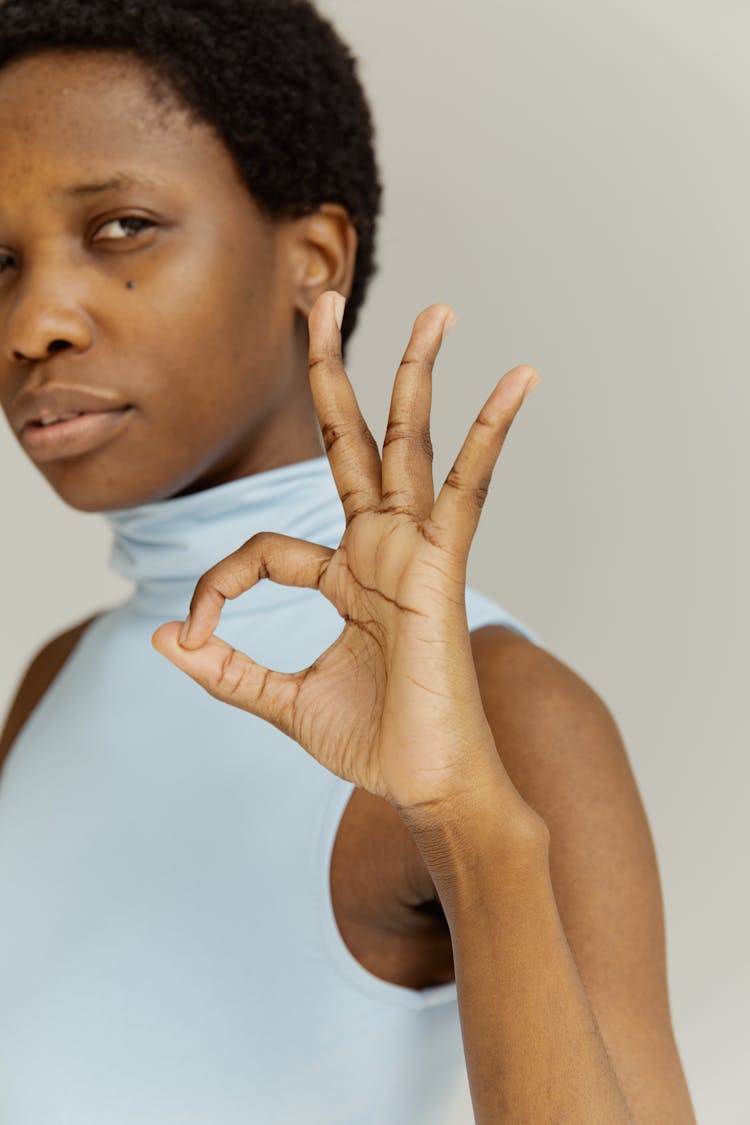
93, 495
91, 485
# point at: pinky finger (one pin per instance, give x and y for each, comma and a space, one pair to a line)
456, 512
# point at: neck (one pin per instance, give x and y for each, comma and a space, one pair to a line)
165, 546
268, 447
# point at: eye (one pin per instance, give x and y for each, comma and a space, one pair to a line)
125, 219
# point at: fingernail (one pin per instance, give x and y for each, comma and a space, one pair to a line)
339, 304
450, 322
185, 631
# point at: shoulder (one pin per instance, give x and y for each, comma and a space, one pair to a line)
36, 679
547, 716
564, 752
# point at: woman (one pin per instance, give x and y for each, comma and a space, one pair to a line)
202, 922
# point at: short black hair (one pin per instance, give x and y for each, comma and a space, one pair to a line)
272, 77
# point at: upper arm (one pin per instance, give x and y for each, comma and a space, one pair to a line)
563, 752
35, 680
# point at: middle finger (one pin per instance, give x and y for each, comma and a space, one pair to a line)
407, 447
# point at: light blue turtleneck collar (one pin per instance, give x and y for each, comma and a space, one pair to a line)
164, 547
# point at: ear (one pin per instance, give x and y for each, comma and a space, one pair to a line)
322, 251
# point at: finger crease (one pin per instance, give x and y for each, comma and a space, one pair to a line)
227, 683
357, 512
428, 535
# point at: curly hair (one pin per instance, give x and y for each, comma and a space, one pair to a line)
271, 77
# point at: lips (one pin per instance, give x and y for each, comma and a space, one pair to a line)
57, 401
82, 434
52, 421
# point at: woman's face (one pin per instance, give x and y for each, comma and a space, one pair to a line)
169, 294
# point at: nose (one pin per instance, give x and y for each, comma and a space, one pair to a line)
45, 317
52, 347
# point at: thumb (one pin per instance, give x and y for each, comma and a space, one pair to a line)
231, 676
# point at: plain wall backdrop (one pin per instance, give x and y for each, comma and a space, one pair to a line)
573, 180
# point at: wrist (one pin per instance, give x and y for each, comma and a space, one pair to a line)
479, 841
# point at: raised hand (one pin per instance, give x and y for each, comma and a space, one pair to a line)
393, 705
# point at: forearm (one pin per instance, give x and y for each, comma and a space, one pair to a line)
533, 1049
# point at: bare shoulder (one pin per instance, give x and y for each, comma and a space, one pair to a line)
564, 753
37, 677
549, 720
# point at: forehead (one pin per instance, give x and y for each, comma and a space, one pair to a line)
66, 116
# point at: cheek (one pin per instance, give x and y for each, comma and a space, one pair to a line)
202, 343
214, 315
196, 398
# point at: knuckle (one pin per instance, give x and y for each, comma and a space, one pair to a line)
353, 513
480, 494
236, 573
232, 674
399, 430
418, 359
264, 683
454, 479
432, 535
261, 538
350, 425
475, 494
262, 544
258, 543
497, 427
331, 432
397, 508
211, 586
323, 357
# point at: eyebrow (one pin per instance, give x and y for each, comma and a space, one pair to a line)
120, 181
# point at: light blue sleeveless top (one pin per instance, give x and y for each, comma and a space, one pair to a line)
168, 949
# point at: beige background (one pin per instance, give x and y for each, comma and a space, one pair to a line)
574, 181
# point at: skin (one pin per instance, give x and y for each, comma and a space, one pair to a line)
416, 729
209, 344
394, 704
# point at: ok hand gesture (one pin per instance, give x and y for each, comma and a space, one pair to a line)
393, 705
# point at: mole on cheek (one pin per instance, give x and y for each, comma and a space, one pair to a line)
130, 285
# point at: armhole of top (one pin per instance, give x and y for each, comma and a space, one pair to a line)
481, 611
341, 957
50, 694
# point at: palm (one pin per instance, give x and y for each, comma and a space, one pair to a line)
393, 703
355, 709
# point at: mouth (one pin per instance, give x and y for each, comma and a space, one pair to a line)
57, 421
70, 436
